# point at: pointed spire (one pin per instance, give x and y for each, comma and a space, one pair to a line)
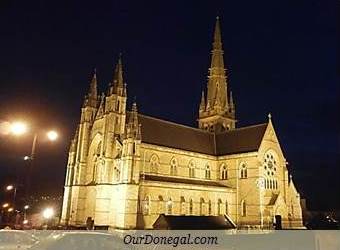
202, 104
93, 84
118, 73
217, 35
217, 80
91, 98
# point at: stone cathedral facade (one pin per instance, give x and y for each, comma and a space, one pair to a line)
125, 169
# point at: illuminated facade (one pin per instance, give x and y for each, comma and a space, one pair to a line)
125, 168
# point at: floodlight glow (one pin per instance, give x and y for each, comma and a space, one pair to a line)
18, 128
48, 213
52, 135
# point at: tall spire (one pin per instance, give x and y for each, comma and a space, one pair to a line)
92, 98
217, 80
117, 86
219, 113
93, 85
118, 74
217, 44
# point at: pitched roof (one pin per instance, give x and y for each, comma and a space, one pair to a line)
169, 134
178, 222
241, 140
182, 180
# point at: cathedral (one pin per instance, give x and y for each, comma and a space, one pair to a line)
126, 169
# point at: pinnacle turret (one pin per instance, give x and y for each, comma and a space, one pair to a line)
231, 103
202, 104
91, 99
133, 127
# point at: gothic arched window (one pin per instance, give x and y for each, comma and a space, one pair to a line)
201, 206
183, 206
191, 207
209, 207
243, 208
191, 169
226, 207
169, 206
219, 207
173, 166
244, 171
154, 164
224, 172
207, 172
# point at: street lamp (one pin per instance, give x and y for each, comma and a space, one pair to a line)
10, 188
18, 128
10, 209
52, 135
26, 207
5, 205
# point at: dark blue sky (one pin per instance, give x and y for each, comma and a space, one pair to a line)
281, 57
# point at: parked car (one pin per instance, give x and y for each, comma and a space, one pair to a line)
81, 240
15, 239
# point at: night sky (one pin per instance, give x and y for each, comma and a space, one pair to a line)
280, 55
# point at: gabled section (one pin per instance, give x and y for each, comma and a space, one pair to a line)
270, 137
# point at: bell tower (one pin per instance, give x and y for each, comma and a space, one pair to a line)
217, 108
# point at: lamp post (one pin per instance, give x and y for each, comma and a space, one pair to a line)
26, 207
19, 128
14, 188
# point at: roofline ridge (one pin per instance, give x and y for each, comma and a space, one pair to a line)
246, 127
177, 124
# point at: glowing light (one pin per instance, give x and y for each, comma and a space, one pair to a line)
26, 207
9, 187
48, 213
26, 158
52, 135
5, 128
25, 222
10, 209
5, 205
18, 128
